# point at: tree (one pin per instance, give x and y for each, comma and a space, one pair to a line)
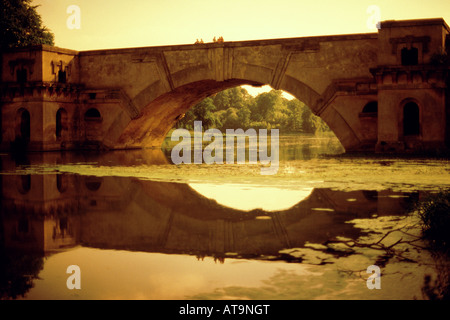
231, 119
222, 100
235, 108
307, 121
236, 97
204, 112
244, 114
295, 120
21, 25
270, 107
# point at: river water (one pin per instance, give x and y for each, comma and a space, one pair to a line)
139, 227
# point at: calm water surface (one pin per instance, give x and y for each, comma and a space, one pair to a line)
140, 227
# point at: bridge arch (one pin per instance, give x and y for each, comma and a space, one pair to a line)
158, 116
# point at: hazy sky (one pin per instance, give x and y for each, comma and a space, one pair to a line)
136, 23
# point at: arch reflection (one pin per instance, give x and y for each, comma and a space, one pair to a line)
174, 217
163, 217
250, 197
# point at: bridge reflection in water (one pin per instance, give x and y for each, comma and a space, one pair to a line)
139, 215
161, 217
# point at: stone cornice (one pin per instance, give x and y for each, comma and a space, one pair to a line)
10, 90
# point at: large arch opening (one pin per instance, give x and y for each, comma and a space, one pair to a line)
158, 117
302, 134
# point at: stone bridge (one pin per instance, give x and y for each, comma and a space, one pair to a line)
384, 91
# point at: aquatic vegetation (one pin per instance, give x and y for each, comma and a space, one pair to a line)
434, 212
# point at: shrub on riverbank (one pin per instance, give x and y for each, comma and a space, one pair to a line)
434, 212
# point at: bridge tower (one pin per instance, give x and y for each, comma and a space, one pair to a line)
412, 79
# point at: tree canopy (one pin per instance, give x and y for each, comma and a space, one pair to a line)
21, 25
236, 108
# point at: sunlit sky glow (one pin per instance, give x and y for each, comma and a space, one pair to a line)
140, 23
246, 198
136, 23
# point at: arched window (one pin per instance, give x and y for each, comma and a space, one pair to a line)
371, 107
62, 76
61, 122
93, 183
411, 119
21, 75
410, 57
92, 115
23, 125
368, 118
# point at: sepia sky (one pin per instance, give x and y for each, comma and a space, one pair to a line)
137, 23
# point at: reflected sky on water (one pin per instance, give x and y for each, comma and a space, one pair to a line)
154, 238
